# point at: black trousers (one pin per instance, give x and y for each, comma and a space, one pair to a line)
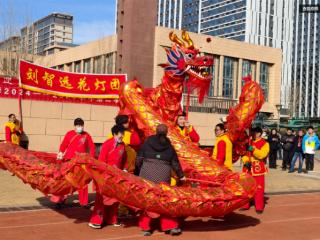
309, 161
273, 159
287, 157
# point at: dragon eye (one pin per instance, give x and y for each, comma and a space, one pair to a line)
190, 55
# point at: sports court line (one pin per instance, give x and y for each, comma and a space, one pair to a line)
291, 220
36, 225
291, 205
130, 236
30, 210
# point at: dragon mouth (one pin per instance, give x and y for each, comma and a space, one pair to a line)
201, 72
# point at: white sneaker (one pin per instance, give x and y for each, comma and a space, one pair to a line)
95, 226
118, 224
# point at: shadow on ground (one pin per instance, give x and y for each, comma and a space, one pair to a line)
72, 210
72, 201
229, 222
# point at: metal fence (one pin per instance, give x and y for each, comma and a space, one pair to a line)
209, 104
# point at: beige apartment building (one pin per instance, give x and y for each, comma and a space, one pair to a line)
45, 123
48, 35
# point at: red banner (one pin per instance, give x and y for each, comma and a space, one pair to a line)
66, 84
9, 88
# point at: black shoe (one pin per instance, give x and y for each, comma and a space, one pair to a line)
58, 206
174, 231
146, 233
244, 209
88, 206
259, 211
284, 169
291, 172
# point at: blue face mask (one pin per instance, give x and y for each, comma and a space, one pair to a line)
79, 129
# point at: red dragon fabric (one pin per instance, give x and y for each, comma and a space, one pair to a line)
219, 190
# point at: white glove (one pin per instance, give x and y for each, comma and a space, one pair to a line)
60, 156
183, 179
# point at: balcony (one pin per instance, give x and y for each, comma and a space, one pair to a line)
209, 104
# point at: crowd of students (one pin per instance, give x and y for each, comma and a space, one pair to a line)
293, 146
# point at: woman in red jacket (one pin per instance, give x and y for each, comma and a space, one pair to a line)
74, 142
113, 153
185, 129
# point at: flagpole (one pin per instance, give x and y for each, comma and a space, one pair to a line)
20, 92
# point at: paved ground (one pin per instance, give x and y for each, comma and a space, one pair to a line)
293, 217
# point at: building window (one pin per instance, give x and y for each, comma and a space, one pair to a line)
248, 68
69, 67
87, 65
77, 66
4, 64
214, 70
50, 51
109, 63
60, 67
97, 65
13, 64
228, 75
264, 79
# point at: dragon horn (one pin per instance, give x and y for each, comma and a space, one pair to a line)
187, 39
174, 38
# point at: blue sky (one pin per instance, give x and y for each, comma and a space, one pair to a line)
92, 19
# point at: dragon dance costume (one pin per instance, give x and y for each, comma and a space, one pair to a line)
13, 132
257, 161
189, 133
222, 151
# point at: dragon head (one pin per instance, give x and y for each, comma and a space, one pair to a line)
185, 62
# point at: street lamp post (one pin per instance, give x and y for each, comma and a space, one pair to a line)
278, 106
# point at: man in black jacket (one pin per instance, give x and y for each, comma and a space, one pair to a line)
298, 153
288, 149
274, 142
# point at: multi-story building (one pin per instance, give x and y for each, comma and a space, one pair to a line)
47, 35
306, 58
263, 22
11, 44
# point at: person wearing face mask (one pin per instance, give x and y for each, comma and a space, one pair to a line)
185, 129
113, 153
74, 142
13, 130
131, 140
